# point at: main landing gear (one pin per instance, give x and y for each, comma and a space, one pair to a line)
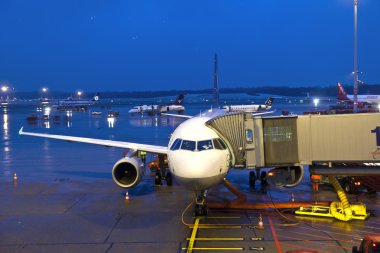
201, 208
168, 177
162, 173
253, 177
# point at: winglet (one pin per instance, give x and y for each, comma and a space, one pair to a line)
20, 132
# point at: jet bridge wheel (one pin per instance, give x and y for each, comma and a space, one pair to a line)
263, 178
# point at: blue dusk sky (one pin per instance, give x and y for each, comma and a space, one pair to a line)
123, 45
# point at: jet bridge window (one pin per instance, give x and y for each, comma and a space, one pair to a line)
219, 144
204, 145
278, 134
188, 145
176, 144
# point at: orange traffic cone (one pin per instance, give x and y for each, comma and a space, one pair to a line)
126, 195
260, 224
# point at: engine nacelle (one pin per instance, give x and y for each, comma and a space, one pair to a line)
285, 176
128, 172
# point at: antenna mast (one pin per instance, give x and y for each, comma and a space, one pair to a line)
356, 72
216, 87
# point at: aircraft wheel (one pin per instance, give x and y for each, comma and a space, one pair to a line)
169, 178
158, 178
263, 178
201, 210
252, 179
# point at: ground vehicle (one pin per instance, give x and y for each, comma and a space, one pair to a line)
370, 244
350, 184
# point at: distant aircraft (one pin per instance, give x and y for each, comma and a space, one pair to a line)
151, 109
368, 99
144, 109
177, 106
249, 108
76, 102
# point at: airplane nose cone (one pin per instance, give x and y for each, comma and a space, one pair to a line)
198, 170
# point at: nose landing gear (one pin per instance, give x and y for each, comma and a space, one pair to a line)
201, 208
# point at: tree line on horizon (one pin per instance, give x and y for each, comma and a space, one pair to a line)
329, 91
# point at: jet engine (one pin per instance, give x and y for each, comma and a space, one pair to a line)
285, 176
128, 172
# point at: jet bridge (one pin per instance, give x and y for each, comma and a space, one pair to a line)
316, 140
257, 143
232, 129
331, 145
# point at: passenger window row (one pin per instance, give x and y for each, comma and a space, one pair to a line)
198, 145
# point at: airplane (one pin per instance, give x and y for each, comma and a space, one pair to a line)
364, 99
177, 106
151, 109
198, 158
249, 108
76, 102
144, 109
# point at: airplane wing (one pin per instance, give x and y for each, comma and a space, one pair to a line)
107, 143
262, 113
178, 115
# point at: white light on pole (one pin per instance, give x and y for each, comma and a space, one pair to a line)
4, 88
355, 55
316, 102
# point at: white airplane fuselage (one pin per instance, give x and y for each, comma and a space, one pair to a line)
168, 108
245, 108
370, 99
144, 108
196, 167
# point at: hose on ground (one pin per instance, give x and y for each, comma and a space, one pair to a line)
344, 205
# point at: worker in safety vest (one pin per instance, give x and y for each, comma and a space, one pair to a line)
153, 165
143, 156
315, 180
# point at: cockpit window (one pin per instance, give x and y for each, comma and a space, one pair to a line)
176, 144
188, 145
204, 145
219, 144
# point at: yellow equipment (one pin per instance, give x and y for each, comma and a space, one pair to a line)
343, 210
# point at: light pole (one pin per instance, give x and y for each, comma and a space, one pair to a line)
355, 55
44, 92
4, 89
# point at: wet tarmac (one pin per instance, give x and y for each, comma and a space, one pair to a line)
69, 215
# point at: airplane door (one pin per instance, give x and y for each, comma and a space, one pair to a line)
250, 154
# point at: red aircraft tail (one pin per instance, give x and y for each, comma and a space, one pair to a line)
342, 95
